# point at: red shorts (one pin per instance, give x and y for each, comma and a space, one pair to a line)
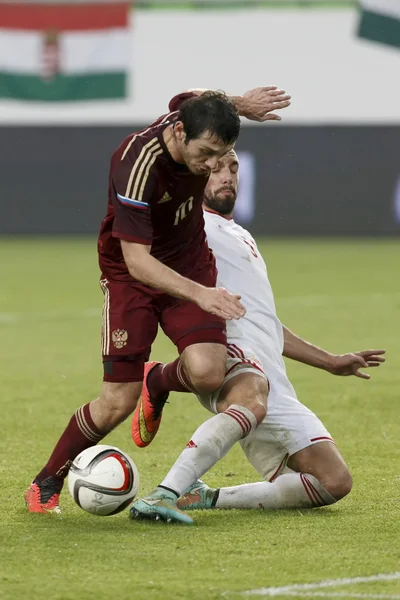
131, 315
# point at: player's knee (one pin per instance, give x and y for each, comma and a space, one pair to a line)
259, 411
248, 390
255, 398
205, 376
339, 484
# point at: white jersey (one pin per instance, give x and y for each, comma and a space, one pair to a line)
241, 269
256, 342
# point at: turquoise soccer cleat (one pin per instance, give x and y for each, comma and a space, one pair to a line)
198, 496
159, 505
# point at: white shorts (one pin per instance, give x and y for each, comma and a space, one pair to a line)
288, 427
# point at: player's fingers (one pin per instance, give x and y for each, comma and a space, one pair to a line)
222, 313
360, 361
270, 117
362, 375
373, 363
236, 310
225, 316
379, 359
371, 352
280, 105
230, 304
239, 312
269, 88
227, 294
229, 316
281, 97
276, 92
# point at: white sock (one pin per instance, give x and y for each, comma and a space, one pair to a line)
292, 490
211, 441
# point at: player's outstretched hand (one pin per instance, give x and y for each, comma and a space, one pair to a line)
259, 104
350, 364
218, 301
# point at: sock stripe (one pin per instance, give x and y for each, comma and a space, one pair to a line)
93, 433
81, 424
181, 377
306, 489
320, 498
243, 421
239, 414
312, 491
240, 423
239, 418
249, 425
84, 427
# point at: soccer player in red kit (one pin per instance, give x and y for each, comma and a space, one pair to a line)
158, 270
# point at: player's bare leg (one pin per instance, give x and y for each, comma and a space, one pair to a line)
321, 478
204, 366
199, 369
242, 409
87, 426
324, 462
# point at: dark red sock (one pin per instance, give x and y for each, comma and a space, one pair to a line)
168, 378
81, 433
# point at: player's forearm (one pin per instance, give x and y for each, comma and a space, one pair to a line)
150, 271
298, 349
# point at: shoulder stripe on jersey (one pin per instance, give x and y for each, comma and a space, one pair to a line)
131, 202
143, 172
155, 153
131, 142
143, 156
143, 132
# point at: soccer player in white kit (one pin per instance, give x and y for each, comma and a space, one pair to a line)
256, 405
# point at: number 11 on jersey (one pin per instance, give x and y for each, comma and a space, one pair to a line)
183, 210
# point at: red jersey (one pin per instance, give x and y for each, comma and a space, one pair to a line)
155, 201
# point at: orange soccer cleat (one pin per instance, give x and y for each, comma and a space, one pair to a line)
147, 416
43, 497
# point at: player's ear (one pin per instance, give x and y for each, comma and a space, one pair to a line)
179, 131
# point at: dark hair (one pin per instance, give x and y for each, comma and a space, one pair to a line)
213, 112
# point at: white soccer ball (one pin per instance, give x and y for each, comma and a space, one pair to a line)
103, 480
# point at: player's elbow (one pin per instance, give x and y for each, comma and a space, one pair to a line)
136, 271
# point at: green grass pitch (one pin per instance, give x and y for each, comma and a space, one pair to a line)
342, 295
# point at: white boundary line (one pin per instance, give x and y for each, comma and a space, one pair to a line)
302, 589
340, 595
